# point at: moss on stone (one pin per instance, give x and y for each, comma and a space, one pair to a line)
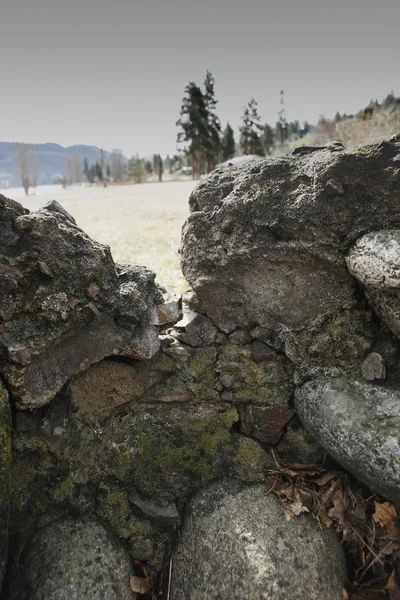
124, 465
64, 490
250, 463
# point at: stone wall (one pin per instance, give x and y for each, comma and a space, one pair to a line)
126, 404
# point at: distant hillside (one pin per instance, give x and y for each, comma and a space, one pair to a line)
52, 161
370, 125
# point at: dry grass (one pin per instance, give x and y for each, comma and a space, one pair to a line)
141, 223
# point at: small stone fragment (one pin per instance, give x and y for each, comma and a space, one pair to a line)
334, 188
373, 367
264, 423
240, 337
195, 329
169, 311
153, 510
227, 381
54, 206
261, 352
43, 268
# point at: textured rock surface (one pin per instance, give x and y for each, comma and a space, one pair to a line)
358, 424
5, 473
64, 304
375, 261
237, 544
74, 560
265, 241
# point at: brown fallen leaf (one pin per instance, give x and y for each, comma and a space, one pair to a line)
385, 515
140, 585
345, 594
392, 583
324, 518
340, 505
294, 509
324, 479
300, 470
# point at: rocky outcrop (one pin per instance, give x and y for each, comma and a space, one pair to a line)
74, 560
265, 248
236, 544
358, 424
64, 304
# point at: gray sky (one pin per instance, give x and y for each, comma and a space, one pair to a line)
113, 72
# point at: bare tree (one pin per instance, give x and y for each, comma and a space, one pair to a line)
117, 166
28, 166
74, 169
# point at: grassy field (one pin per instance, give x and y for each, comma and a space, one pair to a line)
141, 223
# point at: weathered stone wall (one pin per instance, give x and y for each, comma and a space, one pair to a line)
124, 407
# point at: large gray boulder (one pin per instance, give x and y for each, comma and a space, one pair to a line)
358, 424
266, 240
74, 560
375, 261
64, 304
237, 544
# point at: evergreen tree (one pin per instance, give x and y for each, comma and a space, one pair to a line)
228, 143
213, 145
98, 171
250, 139
282, 131
136, 169
86, 168
200, 126
193, 122
268, 138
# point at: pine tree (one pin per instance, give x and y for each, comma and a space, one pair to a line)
86, 168
213, 145
250, 140
193, 122
200, 125
268, 138
282, 126
228, 143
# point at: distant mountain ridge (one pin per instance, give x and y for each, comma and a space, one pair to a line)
52, 161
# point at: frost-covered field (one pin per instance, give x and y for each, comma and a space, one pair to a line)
141, 223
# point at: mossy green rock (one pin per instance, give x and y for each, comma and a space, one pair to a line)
165, 452
266, 383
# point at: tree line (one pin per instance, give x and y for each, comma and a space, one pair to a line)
202, 140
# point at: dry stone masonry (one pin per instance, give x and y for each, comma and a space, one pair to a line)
139, 421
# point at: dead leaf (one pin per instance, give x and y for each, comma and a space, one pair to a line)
345, 594
340, 505
324, 479
300, 470
325, 519
140, 585
385, 515
392, 583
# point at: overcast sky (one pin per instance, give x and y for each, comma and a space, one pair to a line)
112, 72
